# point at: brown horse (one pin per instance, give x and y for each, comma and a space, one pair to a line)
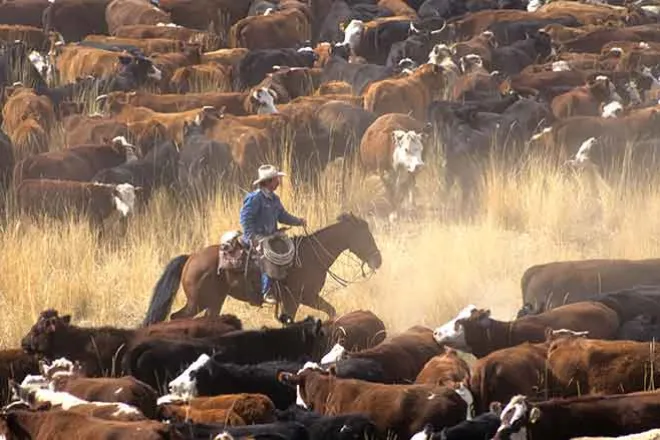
205, 289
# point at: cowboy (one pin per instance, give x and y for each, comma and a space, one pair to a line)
261, 211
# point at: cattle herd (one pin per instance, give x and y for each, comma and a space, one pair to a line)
105, 102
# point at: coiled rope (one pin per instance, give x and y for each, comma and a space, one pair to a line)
277, 258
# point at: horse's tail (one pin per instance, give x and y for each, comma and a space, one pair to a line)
165, 290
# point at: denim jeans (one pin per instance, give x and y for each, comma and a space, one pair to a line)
266, 282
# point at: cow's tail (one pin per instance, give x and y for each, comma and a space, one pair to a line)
165, 290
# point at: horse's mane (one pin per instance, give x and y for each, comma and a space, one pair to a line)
344, 217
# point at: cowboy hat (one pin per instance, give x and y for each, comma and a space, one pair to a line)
267, 172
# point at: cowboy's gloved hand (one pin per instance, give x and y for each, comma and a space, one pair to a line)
303, 222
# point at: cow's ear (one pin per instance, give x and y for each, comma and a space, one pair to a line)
66, 319
125, 60
534, 415
288, 378
332, 370
495, 408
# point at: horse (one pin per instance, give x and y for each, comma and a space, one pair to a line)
206, 287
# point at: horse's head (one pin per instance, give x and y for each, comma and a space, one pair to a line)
40, 338
361, 241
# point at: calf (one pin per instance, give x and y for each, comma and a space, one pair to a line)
286, 28
62, 425
15, 365
254, 67
398, 359
58, 198
245, 409
483, 426
446, 369
402, 409
564, 419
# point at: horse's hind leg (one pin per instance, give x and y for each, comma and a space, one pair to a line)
187, 311
214, 307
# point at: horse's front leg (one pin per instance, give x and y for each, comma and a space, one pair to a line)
290, 303
324, 306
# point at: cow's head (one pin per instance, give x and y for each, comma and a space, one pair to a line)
353, 33
300, 380
41, 339
471, 62
452, 333
439, 53
612, 109
123, 198
408, 149
185, 385
602, 89
264, 99
515, 418
140, 68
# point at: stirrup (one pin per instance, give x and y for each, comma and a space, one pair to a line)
269, 298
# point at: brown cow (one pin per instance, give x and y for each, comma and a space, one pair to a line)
64, 425
286, 28
24, 103
402, 409
209, 41
240, 409
565, 419
33, 37
398, 359
29, 139
74, 19
228, 57
505, 373
409, 94
289, 83
545, 286
335, 87
52, 335
447, 369
146, 134
473, 330
201, 77
78, 163
481, 45
588, 366
128, 12
169, 62
61, 198
233, 103
25, 12
357, 330
149, 46
585, 100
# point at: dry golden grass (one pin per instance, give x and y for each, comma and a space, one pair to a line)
431, 266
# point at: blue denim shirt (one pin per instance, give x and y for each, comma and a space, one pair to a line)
260, 213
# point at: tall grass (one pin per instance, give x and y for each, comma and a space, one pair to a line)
432, 266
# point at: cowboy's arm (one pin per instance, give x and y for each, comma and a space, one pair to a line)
286, 218
249, 216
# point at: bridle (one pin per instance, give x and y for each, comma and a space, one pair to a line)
343, 282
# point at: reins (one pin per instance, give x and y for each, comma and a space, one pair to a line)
343, 282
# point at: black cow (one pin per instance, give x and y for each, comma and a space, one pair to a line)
512, 59
268, 431
483, 426
6, 163
75, 19
340, 12
158, 168
340, 427
203, 163
254, 67
376, 41
508, 32
357, 75
154, 361
214, 378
